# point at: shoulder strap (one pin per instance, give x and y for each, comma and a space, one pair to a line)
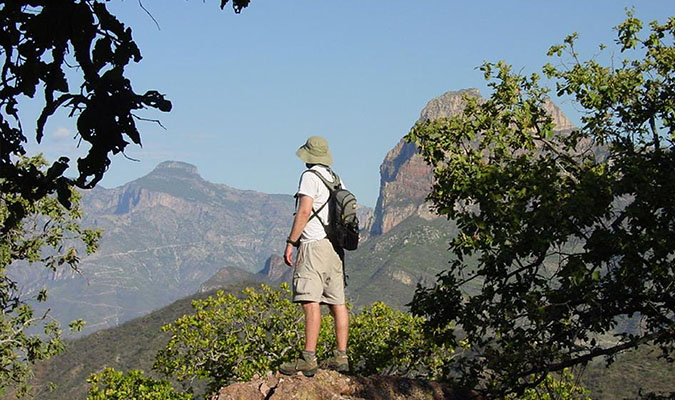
335, 184
331, 186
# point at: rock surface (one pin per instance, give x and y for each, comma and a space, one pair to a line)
327, 385
406, 179
276, 271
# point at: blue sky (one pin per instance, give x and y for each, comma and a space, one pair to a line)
248, 89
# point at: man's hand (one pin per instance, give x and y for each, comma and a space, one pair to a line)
301, 217
288, 255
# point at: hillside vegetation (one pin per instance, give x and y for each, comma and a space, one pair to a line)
132, 345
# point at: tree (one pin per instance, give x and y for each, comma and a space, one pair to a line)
571, 230
45, 46
49, 234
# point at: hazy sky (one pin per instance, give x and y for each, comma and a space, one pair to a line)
248, 89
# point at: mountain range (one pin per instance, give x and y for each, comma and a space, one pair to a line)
168, 233
163, 236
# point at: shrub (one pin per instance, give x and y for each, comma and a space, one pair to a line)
232, 338
562, 388
111, 384
390, 342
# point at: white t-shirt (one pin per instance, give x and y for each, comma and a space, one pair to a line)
312, 186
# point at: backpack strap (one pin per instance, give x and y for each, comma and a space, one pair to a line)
331, 186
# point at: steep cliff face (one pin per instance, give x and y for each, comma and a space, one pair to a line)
275, 270
405, 179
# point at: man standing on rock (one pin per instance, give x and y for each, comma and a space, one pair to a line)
317, 276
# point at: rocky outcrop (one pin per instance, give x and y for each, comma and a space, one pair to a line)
365, 216
406, 179
327, 385
276, 270
559, 119
448, 104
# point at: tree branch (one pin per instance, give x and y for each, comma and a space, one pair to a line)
596, 353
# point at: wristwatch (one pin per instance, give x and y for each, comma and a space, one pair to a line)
294, 243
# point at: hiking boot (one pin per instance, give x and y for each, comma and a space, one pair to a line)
339, 362
306, 364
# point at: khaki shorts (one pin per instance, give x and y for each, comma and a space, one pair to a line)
317, 276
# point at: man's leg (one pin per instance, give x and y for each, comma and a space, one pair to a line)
341, 317
307, 362
312, 324
340, 361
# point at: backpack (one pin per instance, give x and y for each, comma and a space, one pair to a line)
342, 228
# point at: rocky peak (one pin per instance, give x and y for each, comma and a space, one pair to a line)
275, 270
559, 119
176, 167
448, 104
406, 179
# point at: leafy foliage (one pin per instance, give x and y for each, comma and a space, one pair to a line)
50, 235
386, 341
40, 42
551, 388
232, 338
571, 230
46, 47
116, 385
40, 39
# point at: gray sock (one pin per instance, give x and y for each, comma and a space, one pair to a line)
341, 353
309, 355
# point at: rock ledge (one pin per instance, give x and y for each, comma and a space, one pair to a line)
333, 385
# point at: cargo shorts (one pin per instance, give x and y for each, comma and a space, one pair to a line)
318, 276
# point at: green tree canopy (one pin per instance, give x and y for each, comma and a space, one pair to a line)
72, 55
50, 235
572, 231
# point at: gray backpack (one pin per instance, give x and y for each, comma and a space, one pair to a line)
342, 227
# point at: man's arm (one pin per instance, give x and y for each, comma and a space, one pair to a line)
302, 215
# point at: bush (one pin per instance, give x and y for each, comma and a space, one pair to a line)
232, 338
391, 342
562, 388
111, 384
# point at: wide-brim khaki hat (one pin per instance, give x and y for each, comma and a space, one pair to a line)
315, 151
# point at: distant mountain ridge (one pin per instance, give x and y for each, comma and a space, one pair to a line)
165, 234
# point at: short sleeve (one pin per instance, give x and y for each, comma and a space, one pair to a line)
309, 185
